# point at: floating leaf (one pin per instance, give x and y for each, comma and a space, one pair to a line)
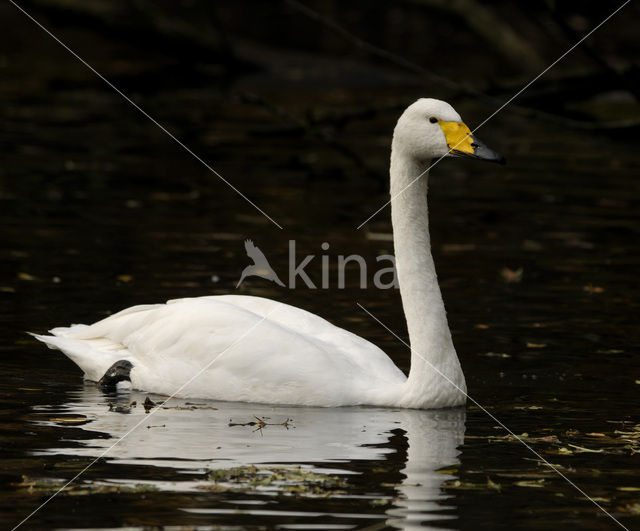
536, 484
551, 439
380, 502
591, 289
496, 355
582, 449
511, 276
627, 433
69, 420
560, 451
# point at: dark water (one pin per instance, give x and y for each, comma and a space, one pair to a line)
100, 210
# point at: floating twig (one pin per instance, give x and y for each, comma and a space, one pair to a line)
261, 422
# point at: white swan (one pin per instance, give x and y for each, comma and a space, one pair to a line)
260, 350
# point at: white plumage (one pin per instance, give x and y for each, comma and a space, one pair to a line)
291, 357
253, 349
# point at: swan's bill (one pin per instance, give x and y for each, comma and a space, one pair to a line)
463, 144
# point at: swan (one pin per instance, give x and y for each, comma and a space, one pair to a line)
252, 349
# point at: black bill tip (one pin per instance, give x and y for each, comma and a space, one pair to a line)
480, 152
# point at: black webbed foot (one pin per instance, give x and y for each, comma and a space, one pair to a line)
118, 372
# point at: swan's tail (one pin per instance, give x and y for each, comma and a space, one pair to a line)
93, 356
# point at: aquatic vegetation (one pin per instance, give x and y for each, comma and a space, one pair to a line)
285, 480
48, 486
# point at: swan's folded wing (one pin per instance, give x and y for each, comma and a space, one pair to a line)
240, 348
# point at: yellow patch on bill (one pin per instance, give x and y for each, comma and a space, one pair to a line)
458, 136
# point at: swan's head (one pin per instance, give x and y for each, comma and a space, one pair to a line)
431, 129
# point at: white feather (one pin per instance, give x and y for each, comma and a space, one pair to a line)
257, 350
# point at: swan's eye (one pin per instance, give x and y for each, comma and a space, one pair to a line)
433, 120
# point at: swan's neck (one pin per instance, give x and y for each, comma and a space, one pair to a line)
432, 350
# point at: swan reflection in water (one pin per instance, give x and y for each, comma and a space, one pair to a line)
195, 440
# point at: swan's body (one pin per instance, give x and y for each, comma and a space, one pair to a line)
258, 350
